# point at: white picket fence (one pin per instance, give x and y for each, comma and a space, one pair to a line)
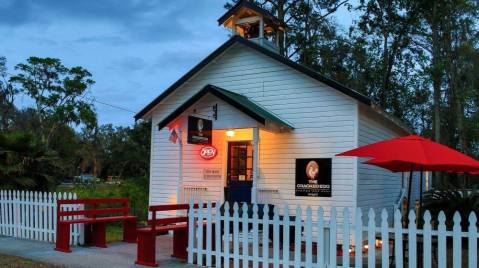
33, 215
248, 244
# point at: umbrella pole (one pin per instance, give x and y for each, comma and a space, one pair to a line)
419, 216
408, 197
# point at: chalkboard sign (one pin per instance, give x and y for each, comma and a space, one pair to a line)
199, 130
313, 177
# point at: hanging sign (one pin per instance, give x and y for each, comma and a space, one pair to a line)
313, 177
199, 130
208, 152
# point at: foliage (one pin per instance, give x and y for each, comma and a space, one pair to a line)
464, 201
59, 93
25, 163
7, 96
417, 59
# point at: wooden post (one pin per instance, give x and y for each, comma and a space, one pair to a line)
261, 31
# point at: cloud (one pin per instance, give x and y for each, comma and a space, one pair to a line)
134, 48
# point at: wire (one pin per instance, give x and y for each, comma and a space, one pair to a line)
112, 105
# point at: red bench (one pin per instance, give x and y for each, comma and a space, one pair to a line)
95, 223
146, 250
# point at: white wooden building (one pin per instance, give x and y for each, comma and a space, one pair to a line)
266, 113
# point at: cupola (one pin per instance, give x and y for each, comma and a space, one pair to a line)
254, 23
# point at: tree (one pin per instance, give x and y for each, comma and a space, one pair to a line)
25, 163
60, 94
7, 96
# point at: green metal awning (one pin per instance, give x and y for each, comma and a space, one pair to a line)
236, 100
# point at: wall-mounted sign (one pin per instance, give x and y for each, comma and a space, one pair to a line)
199, 130
208, 152
313, 177
212, 174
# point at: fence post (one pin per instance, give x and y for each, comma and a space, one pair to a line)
412, 240
332, 238
255, 236
441, 240
472, 240
456, 241
321, 239
345, 237
199, 228
235, 235
226, 235
286, 226
2, 214
244, 229
427, 240
191, 232
308, 234
384, 239
358, 239
371, 238
265, 241
16, 213
209, 233
218, 246
276, 257
398, 238
297, 238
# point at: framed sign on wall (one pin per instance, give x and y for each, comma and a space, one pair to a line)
199, 130
313, 177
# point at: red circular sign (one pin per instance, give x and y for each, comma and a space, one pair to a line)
208, 152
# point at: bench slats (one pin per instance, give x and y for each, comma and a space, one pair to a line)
92, 201
94, 211
102, 219
165, 221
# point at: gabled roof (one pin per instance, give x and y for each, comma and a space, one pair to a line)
248, 4
238, 39
236, 100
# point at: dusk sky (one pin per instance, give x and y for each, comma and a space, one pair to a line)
135, 49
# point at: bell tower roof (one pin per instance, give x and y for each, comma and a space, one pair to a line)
254, 23
244, 9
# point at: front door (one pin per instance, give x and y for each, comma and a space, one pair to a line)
239, 172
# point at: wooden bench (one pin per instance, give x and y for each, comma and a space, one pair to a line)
95, 219
146, 250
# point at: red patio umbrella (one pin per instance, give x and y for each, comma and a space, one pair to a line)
414, 153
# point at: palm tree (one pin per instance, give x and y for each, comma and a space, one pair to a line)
25, 163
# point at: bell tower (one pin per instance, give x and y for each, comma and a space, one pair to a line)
254, 23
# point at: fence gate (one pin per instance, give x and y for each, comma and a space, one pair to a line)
225, 236
33, 215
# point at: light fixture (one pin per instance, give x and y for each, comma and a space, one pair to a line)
230, 133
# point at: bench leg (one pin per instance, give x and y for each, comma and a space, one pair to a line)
63, 238
99, 234
146, 249
180, 244
129, 231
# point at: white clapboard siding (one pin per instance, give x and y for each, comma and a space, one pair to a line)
33, 215
377, 187
255, 247
325, 122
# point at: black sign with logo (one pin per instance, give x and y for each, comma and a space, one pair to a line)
313, 177
199, 130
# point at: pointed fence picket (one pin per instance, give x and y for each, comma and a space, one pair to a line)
242, 237
32, 215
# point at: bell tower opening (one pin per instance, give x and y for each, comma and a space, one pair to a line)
254, 23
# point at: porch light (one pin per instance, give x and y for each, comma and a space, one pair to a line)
230, 133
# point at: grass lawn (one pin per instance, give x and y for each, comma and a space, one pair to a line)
8, 261
114, 233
